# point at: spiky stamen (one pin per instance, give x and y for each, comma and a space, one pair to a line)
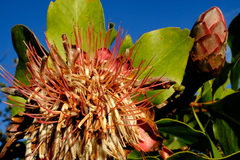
83, 108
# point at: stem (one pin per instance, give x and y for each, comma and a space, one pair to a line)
191, 87
216, 153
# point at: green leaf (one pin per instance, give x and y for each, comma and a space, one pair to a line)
136, 155
172, 142
222, 92
186, 135
19, 101
22, 36
227, 107
226, 123
227, 135
235, 75
164, 94
222, 78
234, 37
205, 92
233, 42
216, 153
167, 51
63, 15
126, 44
186, 155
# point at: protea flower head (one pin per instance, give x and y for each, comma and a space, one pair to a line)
208, 53
85, 107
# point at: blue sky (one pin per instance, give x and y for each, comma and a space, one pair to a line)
134, 16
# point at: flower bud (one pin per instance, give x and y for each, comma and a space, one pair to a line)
207, 56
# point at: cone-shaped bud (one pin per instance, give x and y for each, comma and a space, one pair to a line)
207, 56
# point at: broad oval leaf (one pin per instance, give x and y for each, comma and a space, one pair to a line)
186, 135
228, 107
63, 15
226, 132
167, 51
